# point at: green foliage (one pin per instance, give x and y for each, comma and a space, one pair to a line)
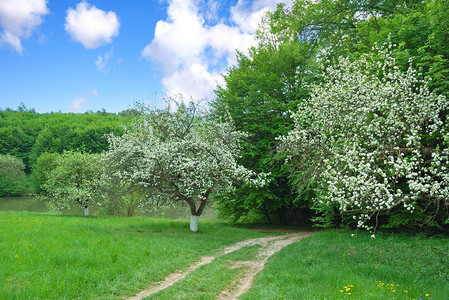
426, 216
82, 133
12, 176
74, 181
274, 77
350, 28
421, 33
269, 82
26, 134
17, 134
44, 165
260, 91
120, 200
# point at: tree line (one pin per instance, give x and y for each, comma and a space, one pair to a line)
26, 135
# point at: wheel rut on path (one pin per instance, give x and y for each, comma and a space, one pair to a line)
268, 246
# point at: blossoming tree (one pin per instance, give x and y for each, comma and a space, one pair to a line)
73, 181
180, 153
374, 137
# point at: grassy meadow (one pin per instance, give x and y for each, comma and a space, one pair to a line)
44, 256
335, 265
69, 257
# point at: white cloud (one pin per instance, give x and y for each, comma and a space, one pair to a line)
247, 14
103, 60
18, 19
91, 26
94, 92
192, 52
210, 9
198, 86
78, 104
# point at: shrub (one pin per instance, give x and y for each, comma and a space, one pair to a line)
12, 176
42, 168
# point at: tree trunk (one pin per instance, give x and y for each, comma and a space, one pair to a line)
194, 223
86, 211
196, 213
130, 210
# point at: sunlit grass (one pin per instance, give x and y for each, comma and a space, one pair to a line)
209, 280
334, 265
52, 257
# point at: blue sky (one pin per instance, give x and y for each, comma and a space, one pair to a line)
75, 56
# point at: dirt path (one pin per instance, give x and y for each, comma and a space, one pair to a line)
269, 246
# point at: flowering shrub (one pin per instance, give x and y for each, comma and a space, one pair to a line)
180, 154
374, 137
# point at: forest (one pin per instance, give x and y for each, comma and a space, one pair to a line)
338, 117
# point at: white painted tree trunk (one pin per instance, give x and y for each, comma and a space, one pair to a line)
86, 211
194, 223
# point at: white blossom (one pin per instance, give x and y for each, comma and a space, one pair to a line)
363, 133
181, 154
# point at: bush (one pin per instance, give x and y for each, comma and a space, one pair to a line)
12, 176
42, 168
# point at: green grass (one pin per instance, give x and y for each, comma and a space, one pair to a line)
209, 280
54, 257
45, 256
334, 265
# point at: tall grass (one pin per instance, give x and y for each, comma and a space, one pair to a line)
52, 257
334, 265
44, 256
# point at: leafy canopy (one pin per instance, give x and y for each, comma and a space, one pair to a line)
74, 181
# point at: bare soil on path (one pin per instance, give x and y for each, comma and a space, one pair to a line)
248, 269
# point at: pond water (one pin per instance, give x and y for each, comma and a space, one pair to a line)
22, 204
33, 204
